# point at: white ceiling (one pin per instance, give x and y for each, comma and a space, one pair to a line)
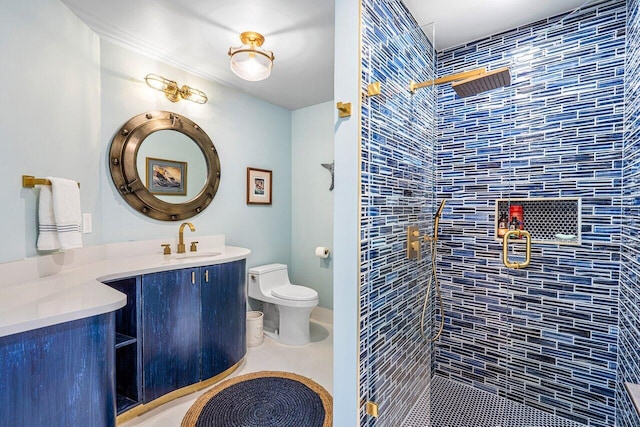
195, 35
461, 21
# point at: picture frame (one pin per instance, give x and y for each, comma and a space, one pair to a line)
259, 185
166, 177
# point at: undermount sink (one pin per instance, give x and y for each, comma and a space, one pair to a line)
195, 255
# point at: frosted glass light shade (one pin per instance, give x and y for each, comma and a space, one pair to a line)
251, 62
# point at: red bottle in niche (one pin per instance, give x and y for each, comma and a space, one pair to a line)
515, 211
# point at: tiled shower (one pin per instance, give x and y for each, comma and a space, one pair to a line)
563, 335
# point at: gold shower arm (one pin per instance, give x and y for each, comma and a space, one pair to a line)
413, 86
505, 249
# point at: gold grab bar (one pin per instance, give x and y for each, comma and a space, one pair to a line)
29, 181
505, 249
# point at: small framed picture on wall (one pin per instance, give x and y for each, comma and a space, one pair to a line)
258, 186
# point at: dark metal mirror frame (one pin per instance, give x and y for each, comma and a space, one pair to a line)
124, 171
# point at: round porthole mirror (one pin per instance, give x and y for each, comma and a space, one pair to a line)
164, 166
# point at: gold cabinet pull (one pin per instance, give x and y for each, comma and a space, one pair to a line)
505, 249
206, 276
193, 277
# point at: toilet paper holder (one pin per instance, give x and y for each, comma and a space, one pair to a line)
322, 252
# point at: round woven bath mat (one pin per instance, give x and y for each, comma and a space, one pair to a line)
263, 399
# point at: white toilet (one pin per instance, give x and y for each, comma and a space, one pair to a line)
270, 284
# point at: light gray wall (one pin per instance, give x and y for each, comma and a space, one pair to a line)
245, 131
49, 114
66, 93
311, 200
345, 230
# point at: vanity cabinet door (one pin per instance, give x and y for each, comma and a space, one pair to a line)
171, 331
223, 328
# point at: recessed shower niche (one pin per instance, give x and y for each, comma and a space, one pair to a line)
548, 220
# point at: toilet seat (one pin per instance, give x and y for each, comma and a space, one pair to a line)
294, 293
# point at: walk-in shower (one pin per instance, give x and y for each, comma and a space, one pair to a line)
530, 347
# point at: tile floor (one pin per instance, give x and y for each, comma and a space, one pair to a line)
314, 360
451, 404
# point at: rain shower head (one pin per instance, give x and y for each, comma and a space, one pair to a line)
482, 82
468, 83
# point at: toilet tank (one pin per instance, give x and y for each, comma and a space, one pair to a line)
267, 277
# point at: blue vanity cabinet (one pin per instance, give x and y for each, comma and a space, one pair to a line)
170, 331
179, 327
223, 316
60, 375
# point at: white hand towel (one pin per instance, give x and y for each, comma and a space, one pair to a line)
47, 233
67, 216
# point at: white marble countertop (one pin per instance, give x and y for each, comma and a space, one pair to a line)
74, 290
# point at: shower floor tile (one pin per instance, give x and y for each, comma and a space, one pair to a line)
450, 404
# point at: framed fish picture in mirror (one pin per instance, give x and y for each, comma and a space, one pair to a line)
166, 177
258, 186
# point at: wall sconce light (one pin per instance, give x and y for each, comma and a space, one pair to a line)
249, 61
173, 92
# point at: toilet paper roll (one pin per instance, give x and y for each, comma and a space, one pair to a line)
322, 252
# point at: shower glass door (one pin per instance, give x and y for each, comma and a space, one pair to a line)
397, 190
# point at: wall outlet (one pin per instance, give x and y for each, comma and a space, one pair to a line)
86, 223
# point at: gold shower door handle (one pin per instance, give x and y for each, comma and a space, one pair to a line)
505, 249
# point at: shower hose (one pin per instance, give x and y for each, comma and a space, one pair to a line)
433, 279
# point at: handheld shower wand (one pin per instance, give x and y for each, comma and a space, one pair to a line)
437, 219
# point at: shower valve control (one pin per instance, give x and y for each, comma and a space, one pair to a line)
413, 242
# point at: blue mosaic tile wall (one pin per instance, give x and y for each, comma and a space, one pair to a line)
397, 178
629, 333
545, 336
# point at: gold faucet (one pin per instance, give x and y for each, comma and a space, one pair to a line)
181, 247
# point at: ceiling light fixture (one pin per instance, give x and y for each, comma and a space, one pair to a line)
249, 61
173, 92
